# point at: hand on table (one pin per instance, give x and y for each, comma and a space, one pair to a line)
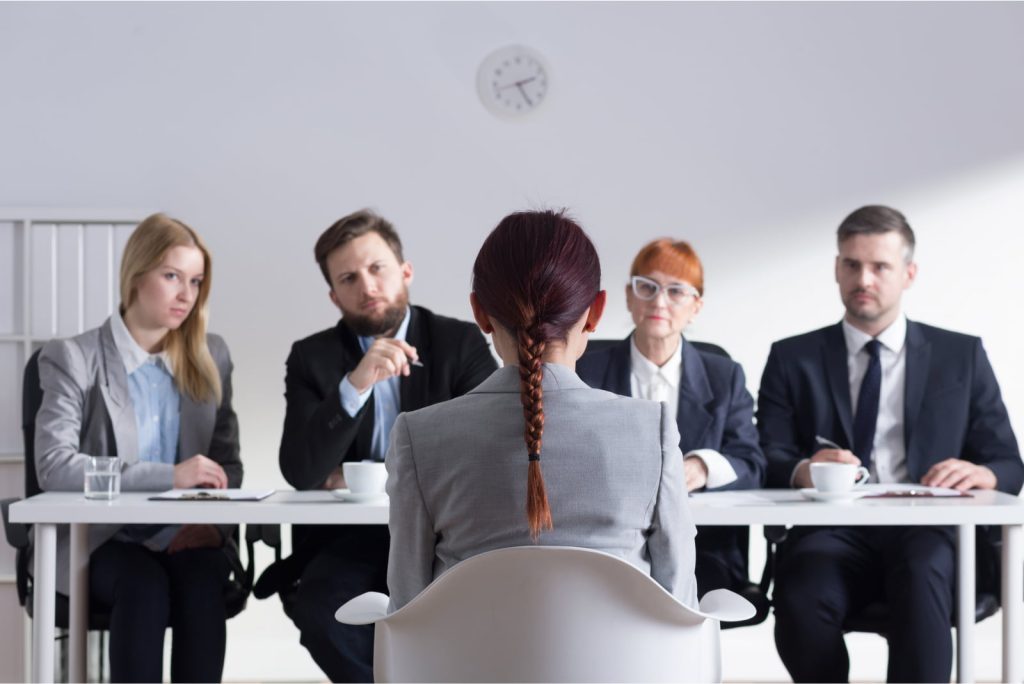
195, 537
199, 471
385, 359
335, 480
959, 474
696, 473
802, 477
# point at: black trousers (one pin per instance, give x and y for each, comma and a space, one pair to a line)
825, 574
342, 568
146, 592
721, 558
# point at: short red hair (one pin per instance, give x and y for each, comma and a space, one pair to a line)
672, 257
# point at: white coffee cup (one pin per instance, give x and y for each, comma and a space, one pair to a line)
838, 477
365, 477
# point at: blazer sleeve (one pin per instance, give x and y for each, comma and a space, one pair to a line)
317, 431
990, 440
411, 558
60, 466
777, 422
739, 437
670, 542
224, 444
476, 363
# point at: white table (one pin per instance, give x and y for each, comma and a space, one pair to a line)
760, 507
789, 507
50, 509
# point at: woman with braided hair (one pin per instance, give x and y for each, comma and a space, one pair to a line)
612, 476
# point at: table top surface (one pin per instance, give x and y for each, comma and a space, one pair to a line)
749, 507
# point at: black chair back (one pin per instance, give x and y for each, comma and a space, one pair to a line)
31, 400
595, 344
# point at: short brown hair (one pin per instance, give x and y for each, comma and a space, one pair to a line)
348, 228
875, 219
672, 257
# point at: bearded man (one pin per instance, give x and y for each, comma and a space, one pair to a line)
344, 388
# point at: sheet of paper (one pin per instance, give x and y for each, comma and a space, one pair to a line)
909, 490
213, 495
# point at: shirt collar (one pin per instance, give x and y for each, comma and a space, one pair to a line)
365, 342
646, 370
892, 338
132, 355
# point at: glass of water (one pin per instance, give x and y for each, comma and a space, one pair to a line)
102, 477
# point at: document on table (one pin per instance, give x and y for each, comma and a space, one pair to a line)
213, 495
898, 491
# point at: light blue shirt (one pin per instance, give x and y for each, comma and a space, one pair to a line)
157, 405
386, 403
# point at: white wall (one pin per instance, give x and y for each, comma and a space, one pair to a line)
749, 129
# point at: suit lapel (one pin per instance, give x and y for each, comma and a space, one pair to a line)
834, 352
414, 389
919, 352
616, 374
695, 394
118, 399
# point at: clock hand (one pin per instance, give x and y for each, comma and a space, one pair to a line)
516, 84
525, 96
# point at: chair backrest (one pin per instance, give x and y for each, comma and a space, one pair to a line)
595, 344
31, 400
553, 614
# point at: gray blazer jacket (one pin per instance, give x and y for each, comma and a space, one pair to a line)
612, 466
87, 411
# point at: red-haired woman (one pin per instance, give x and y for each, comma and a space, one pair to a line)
705, 391
465, 475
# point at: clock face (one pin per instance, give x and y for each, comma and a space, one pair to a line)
512, 81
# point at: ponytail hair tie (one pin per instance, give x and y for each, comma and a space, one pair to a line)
534, 457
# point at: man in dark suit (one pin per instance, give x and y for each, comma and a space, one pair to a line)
344, 387
912, 403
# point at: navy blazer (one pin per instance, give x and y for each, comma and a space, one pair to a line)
953, 407
715, 409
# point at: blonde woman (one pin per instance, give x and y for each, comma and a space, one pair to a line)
153, 388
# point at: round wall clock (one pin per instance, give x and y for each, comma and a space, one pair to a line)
512, 81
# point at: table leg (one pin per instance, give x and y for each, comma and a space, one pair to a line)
44, 595
1013, 598
965, 603
78, 602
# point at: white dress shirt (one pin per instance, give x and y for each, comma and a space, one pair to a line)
647, 380
889, 451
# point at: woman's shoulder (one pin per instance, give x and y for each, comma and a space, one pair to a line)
79, 357
81, 347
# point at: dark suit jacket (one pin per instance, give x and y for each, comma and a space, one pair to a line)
319, 435
715, 408
953, 407
715, 412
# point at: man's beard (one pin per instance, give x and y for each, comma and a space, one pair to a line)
384, 323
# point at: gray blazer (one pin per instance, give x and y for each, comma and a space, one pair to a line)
87, 411
612, 466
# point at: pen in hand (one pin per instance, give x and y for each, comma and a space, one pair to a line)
826, 443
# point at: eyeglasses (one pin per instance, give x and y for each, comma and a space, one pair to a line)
676, 293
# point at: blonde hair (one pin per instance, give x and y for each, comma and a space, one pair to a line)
195, 373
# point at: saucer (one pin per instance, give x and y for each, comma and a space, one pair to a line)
850, 495
360, 497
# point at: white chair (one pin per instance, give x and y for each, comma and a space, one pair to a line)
546, 614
